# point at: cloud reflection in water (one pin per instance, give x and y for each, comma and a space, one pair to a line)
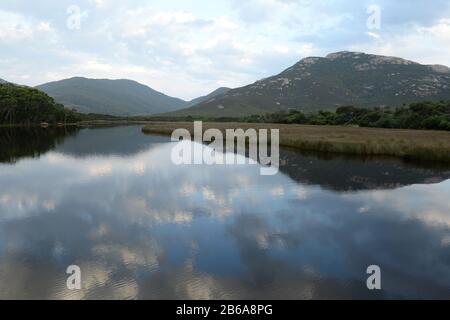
140, 227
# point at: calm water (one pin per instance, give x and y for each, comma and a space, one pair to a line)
111, 201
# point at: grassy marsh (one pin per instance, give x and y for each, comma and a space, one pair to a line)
407, 144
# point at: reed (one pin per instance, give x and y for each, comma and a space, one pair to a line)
408, 144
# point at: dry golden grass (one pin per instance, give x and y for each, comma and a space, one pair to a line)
409, 144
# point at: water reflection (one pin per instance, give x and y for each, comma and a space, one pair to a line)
350, 173
121, 141
18, 143
140, 227
334, 172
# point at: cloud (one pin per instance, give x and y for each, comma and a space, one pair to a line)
188, 49
252, 11
427, 44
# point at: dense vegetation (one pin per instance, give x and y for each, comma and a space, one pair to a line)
423, 115
25, 105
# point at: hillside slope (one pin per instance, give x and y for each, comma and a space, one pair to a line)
114, 97
339, 79
215, 93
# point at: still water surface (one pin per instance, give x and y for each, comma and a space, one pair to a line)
111, 201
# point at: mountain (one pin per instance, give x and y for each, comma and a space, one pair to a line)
339, 79
208, 97
114, 97
3, 81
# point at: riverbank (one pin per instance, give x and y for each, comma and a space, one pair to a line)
95, 123
85, 123
407, 144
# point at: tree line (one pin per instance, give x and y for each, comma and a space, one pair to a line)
25, 105
423, 115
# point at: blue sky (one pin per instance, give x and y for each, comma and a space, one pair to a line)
189, 48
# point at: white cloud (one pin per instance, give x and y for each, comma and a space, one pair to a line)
13, 27
429, 45
187, 49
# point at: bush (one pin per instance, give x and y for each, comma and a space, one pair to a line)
423, 115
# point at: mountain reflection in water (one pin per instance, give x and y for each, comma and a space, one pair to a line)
111, 201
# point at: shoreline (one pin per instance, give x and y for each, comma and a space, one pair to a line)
80, 124
423, 145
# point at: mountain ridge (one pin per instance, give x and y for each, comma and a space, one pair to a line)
119, 97
215, 93
326, 83
313, 83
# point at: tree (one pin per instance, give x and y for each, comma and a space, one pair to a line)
24, 105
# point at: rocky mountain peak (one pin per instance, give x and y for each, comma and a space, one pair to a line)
338, 79
439, 68
343, 54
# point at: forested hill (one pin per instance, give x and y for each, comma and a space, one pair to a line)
25, 105
114, 97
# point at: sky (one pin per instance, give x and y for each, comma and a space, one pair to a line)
189, 48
